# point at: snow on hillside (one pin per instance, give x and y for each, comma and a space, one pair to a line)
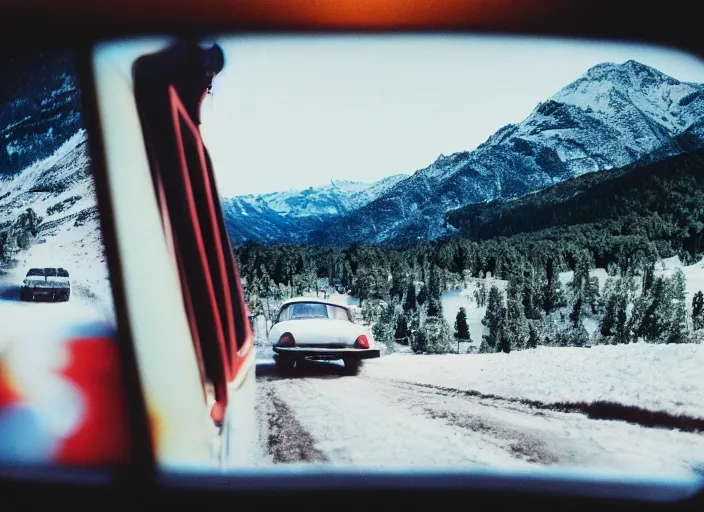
334, 199
612, 116
665, 100
694, 281
452, 300
623, 374
60, 190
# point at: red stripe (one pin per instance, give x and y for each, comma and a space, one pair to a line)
217, 320
102, 437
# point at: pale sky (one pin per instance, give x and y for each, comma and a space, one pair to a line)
293, 112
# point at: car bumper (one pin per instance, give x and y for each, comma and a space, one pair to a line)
43, 292
328, 353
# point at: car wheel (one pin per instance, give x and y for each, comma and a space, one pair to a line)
352, 365
285, 365
24, 296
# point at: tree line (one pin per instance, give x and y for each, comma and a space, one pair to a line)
623, 221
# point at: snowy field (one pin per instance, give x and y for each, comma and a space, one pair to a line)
655, 377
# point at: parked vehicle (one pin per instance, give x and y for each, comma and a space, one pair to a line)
311, 328
49, 283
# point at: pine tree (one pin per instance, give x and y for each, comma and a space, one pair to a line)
621, 335
382, 330
419, 342
515, 326
580, 278
608, 322
434, 282
503, 342
652, 324
402, 332
678, 308
552, 290
434, 307
530, 295
579, 336
397, 288
461, 327
648, 277
410, 303
576, 314
698, 311
436, 335
422, 295
591, 294
493, 319
532, 336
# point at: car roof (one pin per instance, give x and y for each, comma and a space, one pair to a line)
316, 300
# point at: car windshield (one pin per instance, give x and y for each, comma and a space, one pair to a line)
50, 272
532, 239
35, 272
62, 272
304, 310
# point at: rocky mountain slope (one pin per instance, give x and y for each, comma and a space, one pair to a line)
289, 216
612, 116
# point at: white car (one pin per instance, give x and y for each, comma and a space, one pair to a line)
310, 328
49, 283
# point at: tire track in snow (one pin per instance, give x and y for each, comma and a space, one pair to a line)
378, 422
285, 439
555, 438
597, 410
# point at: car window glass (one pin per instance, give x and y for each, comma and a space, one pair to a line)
308, 310
61, 393
515, 220
337, 313
530, 208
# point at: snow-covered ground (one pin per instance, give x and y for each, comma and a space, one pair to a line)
655, 377
395, 415
522, 410
80, 251
454, 299
60, 189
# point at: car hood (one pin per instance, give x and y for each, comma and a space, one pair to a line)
319, 330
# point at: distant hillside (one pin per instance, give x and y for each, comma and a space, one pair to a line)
667, 197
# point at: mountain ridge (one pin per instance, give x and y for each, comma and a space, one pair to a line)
610, 117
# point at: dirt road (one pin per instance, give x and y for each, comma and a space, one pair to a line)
381, 421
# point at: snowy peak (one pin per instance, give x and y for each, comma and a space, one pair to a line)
612, 116
339, 197
611, 90
289, 215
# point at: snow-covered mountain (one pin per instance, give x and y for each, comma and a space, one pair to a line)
289, 216
612, 116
